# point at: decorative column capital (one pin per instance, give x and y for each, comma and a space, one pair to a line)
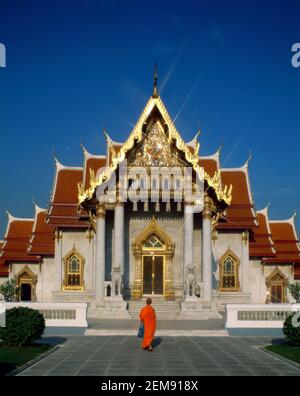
100, 212
58, 235
206, 213
245, 237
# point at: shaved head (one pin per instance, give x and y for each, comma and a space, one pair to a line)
148, 301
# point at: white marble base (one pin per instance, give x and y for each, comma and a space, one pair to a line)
109, 308
195, 309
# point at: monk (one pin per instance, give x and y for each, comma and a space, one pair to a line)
148, 317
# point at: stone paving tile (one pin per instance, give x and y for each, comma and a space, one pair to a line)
174, 356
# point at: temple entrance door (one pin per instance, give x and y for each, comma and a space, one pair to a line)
26, 282
277, 294
153, 274
25, 291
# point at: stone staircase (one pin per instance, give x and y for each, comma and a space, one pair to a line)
165, 310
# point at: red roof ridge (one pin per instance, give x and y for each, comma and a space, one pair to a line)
58, 168
215, 156
265, 213
245, 169
12, 219
20, 238
110, 141
38, 210
87, 155
242, 168
291, 222
194, 142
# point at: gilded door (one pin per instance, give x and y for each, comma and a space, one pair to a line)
153, 274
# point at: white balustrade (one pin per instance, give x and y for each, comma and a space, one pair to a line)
258, 316
55, 314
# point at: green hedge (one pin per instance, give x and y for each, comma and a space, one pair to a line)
23, 327
291, 332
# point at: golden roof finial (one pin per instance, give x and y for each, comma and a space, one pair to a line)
155, 91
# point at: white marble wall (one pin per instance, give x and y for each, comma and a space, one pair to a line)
85, 247
224, 242
45, 273
258, 277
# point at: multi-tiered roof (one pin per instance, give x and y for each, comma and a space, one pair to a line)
29, 240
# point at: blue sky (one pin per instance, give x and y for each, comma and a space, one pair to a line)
74, 67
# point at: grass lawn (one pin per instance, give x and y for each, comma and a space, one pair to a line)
14, 357
287, 351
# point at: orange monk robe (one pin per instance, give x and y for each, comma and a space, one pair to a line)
148, 316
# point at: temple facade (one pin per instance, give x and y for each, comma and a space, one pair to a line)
151, 217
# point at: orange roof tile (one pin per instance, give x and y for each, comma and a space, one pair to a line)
63, 206
16, 241
66, 190
210, 166
286, 243
240, 192
3, 266
42, 241
261, 243
95, 164
240, 213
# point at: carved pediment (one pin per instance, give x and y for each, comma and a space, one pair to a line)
154, 150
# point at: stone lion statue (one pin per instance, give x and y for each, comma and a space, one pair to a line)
116, 280
190, 281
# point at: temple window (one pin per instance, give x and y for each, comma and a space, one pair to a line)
229, 272
276, 287
74, 265
153, 243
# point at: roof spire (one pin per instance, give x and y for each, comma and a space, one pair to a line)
155, 91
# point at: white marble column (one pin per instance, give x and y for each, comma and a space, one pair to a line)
58, 260
100, 254
206, 253
188, 253
119, 237
244, 274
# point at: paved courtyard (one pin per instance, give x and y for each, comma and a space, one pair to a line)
173, 356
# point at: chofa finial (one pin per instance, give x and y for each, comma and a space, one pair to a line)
155, 91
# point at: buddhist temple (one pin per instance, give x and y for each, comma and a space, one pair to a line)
113, 247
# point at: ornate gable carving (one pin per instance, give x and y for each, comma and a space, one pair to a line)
153, 228
154, 150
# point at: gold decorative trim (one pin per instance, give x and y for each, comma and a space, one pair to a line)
139, 252
31, 280
81, 259
101, 212
136, 135
245, 237
58, 235
271, 282
237, 262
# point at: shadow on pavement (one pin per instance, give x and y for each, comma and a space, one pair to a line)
156, 342
52, 340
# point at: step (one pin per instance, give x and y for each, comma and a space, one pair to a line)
158, 333
164, 309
